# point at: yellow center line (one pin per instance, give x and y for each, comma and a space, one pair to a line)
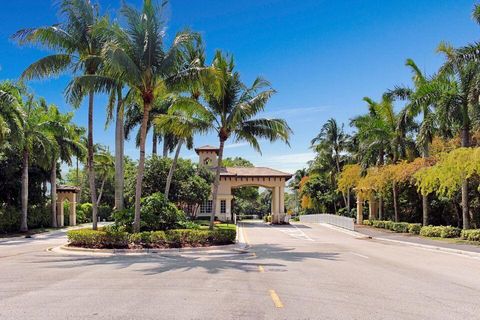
276, 300
260, 268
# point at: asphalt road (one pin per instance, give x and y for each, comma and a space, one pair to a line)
289, 272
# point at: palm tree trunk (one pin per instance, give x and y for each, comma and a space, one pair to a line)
119, 146
141, 164
100, 193
380, 207
172, 168
53, 191
465, 214
216, 182
154, 142
348, 201
425, 209
165, 146
395, 203
23, 225
91, 170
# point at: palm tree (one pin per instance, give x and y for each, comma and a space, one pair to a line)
332, 140
77, 49
137, 57
105, 166
419, 103
66, 143
11, 113
232, 114
36, 139
381, 136
459, 94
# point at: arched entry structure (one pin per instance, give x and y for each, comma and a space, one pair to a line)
237, 177
67, 193
372, 204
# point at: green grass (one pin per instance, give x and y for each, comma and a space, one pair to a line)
223, 226
454, 240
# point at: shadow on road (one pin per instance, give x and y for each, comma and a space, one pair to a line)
269, 256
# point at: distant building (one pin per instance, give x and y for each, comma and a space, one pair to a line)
236, 177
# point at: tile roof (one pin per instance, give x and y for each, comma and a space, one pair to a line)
252, 172
207, 148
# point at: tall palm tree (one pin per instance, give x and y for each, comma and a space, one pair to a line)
458, 100
381, 137
66, 144
11, 113
232, 114
332, 140
77, 49
36, 139
421, 100
105, 166
136, 56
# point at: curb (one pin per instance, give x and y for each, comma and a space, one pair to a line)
470, 254
239, 246
65, 248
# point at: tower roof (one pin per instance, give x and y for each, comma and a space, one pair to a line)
207, 148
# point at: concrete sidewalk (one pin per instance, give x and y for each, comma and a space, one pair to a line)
406, 237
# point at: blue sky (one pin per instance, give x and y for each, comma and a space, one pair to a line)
322, 57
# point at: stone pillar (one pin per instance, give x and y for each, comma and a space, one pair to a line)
218, 214
275, 204
281, 203
60, 219
228, 210
359, 209
73, 210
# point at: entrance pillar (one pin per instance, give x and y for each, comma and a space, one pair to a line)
73, 210
275, 205
359, 209
281, 203
60, 219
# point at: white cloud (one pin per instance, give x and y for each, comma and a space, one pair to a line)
288, 162
236, 145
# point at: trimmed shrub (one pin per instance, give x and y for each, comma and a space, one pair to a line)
111, 238
98, 238
378, 224
267, 218
414, 228
389, 225
440, 232
367, 222
401, 227
431, 231
450, 232
471, 234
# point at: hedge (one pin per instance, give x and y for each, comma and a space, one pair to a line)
150, 239
440, 232
471, 234
400, 227
414, 228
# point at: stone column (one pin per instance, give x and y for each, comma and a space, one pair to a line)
60, 219
359, 209
281, 203
73, 210
229, 208
218, 214
275, 205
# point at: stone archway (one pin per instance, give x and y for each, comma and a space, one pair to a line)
67, 193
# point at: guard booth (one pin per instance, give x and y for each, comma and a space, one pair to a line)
68, 193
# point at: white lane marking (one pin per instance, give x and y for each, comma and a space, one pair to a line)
295, 233
359, 255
